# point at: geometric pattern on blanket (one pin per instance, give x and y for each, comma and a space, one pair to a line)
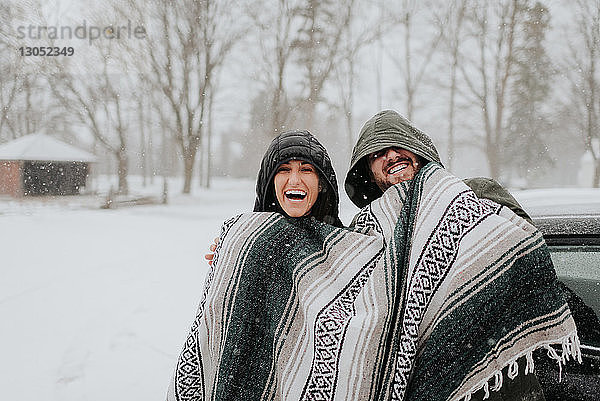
464, 212
429, 296
188, 377
330, 327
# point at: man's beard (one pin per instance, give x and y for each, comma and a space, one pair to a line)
390, 179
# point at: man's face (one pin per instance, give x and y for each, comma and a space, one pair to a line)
393, 165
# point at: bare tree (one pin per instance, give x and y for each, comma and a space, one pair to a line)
582, 72
97, 102
141, 109
525, 150
413, 62
274, 20
364, 27
23, 92
453, 20
186, 43
317, 46
493, 28
345, 74
10, 81
10, 85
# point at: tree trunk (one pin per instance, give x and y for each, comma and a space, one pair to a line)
150, 151
350, 128
276, 109
209, 132
596, 182
188, 162
201, 167
350, 105
379, 73
407, 59
493, 161
311, 105
143, 149
122, 172
451, 115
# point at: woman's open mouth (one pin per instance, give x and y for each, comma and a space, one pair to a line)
295, 194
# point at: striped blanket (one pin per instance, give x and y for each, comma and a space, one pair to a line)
428, 297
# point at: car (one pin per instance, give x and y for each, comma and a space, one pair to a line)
574, 244
569, 220
570, 224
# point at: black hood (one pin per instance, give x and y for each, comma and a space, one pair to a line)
298, 145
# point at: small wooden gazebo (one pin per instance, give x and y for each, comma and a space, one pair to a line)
38, 164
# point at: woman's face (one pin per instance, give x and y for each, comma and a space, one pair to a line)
296, 187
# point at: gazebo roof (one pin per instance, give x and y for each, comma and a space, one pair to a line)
42, 147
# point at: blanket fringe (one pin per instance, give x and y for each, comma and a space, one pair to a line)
513, 369
570, 348
529, 368
498, 381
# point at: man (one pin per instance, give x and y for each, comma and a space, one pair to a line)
391, 150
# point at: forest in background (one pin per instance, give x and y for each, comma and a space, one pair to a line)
507, 89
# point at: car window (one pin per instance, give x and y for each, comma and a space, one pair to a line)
579, 268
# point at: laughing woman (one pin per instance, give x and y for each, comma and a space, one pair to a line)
297, 179
232, 347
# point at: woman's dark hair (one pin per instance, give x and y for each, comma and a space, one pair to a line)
298, 145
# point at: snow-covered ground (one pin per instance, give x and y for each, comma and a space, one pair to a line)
560, 201
95, 304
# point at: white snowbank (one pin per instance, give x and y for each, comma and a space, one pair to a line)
95, 304
560, 201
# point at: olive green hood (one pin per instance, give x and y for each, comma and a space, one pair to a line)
385, 129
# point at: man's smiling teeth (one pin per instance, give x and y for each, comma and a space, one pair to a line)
397, 168
295, 194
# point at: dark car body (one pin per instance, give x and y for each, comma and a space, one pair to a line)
572, 233
574, 243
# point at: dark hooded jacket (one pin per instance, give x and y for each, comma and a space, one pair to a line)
388, 128
298, 145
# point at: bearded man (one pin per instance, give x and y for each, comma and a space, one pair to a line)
389, 151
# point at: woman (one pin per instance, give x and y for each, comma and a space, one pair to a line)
296, 179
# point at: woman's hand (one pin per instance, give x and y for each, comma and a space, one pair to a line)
212, 248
